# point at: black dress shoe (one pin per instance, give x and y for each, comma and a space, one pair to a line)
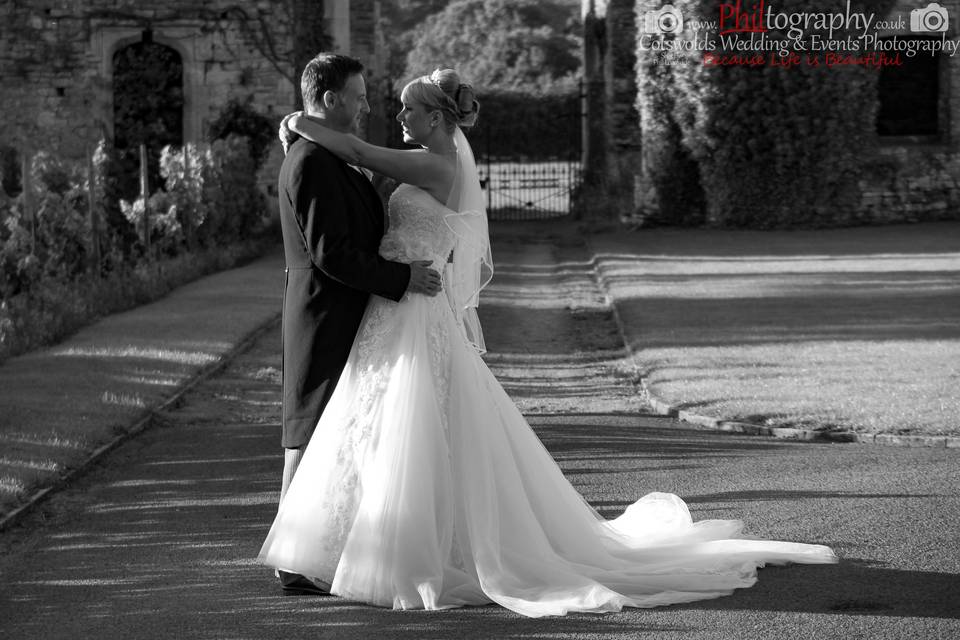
294, 584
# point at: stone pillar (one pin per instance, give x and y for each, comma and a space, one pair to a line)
594, 130
622, 118
611, 131
337, 17
367, 45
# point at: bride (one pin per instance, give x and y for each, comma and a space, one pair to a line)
427, 489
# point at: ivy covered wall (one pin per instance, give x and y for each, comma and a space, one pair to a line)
802, 145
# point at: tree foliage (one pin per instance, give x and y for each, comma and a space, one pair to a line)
240, 118
400, 19
766, 147
520, 45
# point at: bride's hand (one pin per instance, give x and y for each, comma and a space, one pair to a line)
286, 134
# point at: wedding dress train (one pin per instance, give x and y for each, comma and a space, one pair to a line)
425, 488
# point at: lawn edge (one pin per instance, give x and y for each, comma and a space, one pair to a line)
711, 423
147, 419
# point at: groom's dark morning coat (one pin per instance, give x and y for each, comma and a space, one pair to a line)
332, 220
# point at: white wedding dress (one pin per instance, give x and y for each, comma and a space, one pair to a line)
424, 487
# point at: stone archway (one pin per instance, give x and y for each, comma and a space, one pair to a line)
148, 106
106, 40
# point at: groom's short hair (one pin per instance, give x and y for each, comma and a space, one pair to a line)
326, 72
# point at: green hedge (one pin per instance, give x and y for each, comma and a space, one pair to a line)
770, 146
515, 125
518, 126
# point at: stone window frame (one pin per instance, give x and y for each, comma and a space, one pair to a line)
948, 76
943, 105
107, 40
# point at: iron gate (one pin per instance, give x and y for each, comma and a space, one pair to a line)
527, 149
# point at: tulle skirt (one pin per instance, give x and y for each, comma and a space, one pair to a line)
423, 487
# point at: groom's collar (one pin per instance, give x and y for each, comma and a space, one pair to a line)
323, 122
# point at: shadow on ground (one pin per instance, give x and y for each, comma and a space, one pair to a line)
852, 329
160, 541
167, 542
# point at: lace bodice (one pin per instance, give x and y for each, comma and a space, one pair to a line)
417, 228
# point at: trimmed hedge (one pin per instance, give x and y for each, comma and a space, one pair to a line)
513, 125
770, 146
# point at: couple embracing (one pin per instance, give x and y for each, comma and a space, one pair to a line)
411, 480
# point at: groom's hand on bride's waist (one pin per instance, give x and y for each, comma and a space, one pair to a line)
423, 279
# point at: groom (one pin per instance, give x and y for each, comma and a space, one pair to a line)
332, 220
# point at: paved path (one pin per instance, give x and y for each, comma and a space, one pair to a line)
158, 541
60, 405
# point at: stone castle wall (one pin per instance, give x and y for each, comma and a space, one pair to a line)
915, 179
56, 68
56, 62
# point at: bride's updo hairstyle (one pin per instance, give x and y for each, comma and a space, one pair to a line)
442, 91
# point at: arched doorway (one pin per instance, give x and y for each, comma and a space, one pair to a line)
148, 102
10, 179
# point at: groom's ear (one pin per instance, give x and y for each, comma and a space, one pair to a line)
329, 99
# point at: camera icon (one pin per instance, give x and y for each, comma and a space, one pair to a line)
933, 17
666, 20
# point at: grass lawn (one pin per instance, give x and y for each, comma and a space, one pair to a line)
853, 329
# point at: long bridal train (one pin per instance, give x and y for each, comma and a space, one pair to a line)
424, 487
